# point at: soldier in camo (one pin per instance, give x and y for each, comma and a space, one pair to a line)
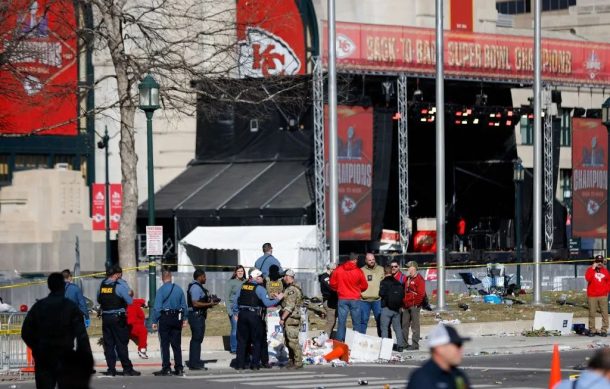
290, 319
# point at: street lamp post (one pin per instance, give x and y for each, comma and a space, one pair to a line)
518, 176
103, 144
149, 103
606, 122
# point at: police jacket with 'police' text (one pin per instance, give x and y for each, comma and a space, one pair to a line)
248, 297
109, 299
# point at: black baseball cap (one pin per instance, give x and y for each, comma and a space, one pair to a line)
599, 258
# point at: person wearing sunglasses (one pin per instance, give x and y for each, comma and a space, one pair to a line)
441, 370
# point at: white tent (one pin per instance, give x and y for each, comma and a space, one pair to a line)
294, 246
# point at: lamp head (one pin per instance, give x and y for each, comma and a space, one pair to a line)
149, 94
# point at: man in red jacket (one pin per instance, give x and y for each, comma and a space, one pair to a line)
598, 285
349, 282
415, 291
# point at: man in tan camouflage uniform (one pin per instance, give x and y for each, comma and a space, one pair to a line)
290, 319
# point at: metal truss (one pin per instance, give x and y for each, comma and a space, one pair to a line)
549, 190
320, 188
403, 162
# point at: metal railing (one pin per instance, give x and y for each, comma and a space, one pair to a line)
13, 351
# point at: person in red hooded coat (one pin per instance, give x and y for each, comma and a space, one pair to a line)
137, 329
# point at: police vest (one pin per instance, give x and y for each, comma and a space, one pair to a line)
248, 297
108, 298
189, 299
274, 287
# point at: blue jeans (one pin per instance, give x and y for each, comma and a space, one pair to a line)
366, 307
233, 336
344, 307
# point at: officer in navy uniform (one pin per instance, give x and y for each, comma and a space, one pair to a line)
249, 307
114, 297
169, 316
198, 300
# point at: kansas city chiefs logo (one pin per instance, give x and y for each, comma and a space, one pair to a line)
264, 54
345, 46
348, 205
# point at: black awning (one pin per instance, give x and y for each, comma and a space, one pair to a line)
237, 190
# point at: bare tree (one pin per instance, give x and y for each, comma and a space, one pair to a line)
178, 42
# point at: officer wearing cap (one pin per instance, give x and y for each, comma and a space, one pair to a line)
198, 301
114, 297
290, 318
441, 370
169, 316
248, 310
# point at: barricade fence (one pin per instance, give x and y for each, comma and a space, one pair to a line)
13, 351
556, 276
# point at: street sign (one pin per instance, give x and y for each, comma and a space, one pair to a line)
154, 240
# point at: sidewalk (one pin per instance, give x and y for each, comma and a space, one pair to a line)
487, 339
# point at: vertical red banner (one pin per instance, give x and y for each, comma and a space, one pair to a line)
462, 15
355, 165
38, 79
589, 178
116, 205
98, 207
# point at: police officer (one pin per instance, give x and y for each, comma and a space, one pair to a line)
248, 309
113, 298
290, 319
169, 316
198, 300
73, 293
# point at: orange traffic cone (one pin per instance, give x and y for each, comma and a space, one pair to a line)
555, 377
30, 362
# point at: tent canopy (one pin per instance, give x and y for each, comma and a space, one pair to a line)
294, 246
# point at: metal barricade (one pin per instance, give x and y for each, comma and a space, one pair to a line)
13, 351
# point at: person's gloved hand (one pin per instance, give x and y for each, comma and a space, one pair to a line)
87, 323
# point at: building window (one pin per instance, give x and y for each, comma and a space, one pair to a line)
514, 7
555, 5
31, 161
566, 127
527, 131
4, 169
566, 182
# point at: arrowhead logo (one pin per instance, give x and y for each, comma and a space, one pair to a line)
264, 54
345, 46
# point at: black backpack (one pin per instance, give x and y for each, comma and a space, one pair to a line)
396, 291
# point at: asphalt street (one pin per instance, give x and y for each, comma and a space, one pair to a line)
529, 371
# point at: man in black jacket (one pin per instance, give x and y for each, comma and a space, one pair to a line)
49, 330
329, 297
391, 292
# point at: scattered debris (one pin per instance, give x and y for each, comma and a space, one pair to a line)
540, 333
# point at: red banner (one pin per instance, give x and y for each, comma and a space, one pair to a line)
38, 84
116, 205
589, 178
355, 170
365, 47
271, 38
98, 207
461, 12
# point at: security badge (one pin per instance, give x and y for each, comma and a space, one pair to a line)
370, 277
291, 292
